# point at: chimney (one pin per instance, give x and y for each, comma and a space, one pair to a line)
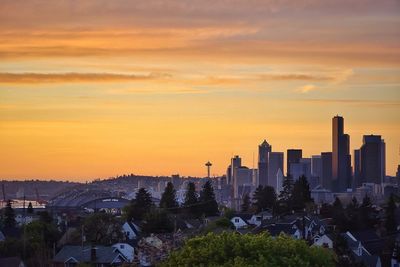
93, 254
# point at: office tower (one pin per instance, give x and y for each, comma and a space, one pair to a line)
303, 167
373, 159
263, 153
326, 158
357, 168
279, 180
236, 162
293, 156
341, 159
275, 163
316, 166
242, 181
398, 172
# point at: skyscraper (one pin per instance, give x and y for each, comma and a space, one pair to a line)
275, 163
373, 159
263, 154
293, 156
341, 159
326, 158
316, 166
357, 168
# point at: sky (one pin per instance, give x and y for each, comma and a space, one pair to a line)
93, 89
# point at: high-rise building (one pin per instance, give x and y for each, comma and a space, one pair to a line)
341, 159
242, 181
293, 156
326, 181
357, 168
275, 163
373, 159
303, 167
263, 154
316, 166
236, 162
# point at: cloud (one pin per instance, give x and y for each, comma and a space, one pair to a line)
73, 77
354, 102
306, 88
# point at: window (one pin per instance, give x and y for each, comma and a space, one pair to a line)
236, 220
122, 246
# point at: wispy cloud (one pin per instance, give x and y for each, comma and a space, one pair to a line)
354, 102
72, 77
306, 88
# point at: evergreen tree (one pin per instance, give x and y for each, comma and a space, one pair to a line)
264, 197
191, 201
246, 203
367, 218
139, 206
301, 193
287, 189
208, 204
168, 198
9, 215
390, 222
30, 208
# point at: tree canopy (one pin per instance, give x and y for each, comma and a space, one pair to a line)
230, 249
208, 205
168, 198
138, 206
190, 203
264, 198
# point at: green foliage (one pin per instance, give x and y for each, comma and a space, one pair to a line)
264, 198
301, 194
224, 223
138, 206
157, 221
287, 188
168, 198
246, 203
9, 216
102, 228
190, 206
229, 213
208, 205
390, 221
230, 249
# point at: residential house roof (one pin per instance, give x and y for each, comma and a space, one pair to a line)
83, 254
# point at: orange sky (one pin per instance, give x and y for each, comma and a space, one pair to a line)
98, 88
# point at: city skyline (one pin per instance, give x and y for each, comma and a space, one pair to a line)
94, 89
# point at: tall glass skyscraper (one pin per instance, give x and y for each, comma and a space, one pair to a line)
341, 159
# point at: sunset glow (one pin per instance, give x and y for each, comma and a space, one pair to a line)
99, 88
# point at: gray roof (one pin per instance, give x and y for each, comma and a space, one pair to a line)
78, 254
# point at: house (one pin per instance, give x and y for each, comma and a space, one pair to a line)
256, 219
100, 256
131, 230
240, 220
325, 240
366, 247
126, 249
156, 248
12, 262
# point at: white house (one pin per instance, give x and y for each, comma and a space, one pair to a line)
256, 219
126, 250
131, 230
240, 220
323, 241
